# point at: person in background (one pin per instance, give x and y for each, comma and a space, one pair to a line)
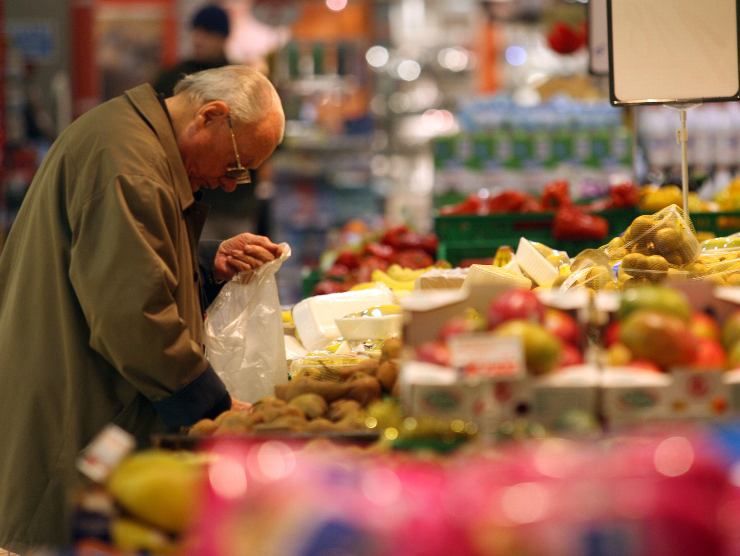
243, 209
101, 317
209, 30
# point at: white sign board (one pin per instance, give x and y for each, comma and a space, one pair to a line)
673, 51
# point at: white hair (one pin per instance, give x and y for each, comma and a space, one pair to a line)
249, 94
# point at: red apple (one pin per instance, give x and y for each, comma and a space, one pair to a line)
562, 325
611, 335
516, 304
338, 272
433, 352
349, 259
330, 286
379, 250
704, 326
709, 355
570, 355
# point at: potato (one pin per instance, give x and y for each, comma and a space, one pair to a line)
330, 391
204, 427
387, 374
290, 422
312, 405
319, 425
392, 348
341, 408
364, 390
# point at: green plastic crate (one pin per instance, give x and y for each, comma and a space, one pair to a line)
458, 228
311, 277
477, 237
719, 223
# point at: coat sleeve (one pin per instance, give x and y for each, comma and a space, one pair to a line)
210, 288
124, 270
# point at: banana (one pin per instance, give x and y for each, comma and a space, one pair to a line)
364, 286
133, 537
402, 274
395, 285
159, 487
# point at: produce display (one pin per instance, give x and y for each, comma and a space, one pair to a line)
392, 256
653, 248
326, 393
411, 410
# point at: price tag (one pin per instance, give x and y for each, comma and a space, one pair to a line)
487, 355
699, 394
105, 452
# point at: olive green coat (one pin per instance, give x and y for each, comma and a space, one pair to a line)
100, 317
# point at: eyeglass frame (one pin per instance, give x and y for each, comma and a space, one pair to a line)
238, 173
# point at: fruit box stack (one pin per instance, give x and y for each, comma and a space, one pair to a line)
486, 379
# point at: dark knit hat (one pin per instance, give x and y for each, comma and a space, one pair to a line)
213, 19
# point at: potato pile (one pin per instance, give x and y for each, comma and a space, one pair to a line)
321, 397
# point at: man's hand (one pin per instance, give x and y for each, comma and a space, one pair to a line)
243, 254
238, 405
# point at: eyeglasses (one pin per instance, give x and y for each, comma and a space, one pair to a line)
238, 173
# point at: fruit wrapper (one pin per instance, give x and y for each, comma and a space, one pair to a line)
666, 234
555, 257
591, 269
330, 367
719, 245
637, 269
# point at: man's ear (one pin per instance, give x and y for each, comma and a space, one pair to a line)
213, 111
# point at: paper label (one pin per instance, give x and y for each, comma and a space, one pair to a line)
487, 355
698, 394
105, 452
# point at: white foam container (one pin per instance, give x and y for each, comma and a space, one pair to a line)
315, 317
534, 264
370, 328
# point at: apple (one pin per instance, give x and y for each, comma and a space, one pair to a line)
703, 326
611, 334
457, 325
618, 355
570, 355
379, 250
659, 337
338, 272
330, 286
731, 330
709, 355
733, 356
435, 352
657, 298
515, 304
562, 325
349, 259
541, 349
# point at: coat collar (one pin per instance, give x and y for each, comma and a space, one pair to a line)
145, 100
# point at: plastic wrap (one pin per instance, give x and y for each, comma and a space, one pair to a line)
244, 333
590, 269
665, 233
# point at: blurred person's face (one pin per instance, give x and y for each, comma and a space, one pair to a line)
207, 46
208, 151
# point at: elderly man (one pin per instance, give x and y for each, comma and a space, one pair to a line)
100, 313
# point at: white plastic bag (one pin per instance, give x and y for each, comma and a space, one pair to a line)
244, 333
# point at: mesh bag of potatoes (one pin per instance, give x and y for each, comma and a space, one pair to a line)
654, 247
589, 269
